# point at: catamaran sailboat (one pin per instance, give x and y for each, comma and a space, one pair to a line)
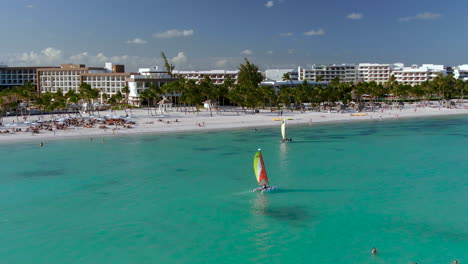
283, 132
261, 174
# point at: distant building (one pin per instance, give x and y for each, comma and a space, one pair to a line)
416, 75
115, 68
461, 72
109, 83
17, 76
277, 85
344, 72
217, 76
138, 82
379, 73
66, 78
277, 74
449, 70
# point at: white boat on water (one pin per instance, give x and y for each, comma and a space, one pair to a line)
283, 132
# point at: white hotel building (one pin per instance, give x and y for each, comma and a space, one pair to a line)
277, 74
379, 73
67, 77
217, 76
415, 75
461, 72
344, 72
110, 79
138, 82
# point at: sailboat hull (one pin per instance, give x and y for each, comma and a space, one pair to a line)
261, 189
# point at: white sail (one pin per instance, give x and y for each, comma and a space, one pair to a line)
283, 129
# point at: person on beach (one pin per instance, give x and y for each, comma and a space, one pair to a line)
374, 251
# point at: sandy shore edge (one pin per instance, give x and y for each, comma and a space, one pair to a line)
202, 121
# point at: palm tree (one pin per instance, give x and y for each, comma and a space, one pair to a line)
155, 94
146, 95
169, 67
2, 108
284, 95
126, 91
248, 84
461, 88
207, 90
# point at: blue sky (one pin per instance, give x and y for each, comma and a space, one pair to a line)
215, 34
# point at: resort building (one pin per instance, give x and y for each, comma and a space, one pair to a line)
461, 72
379, 73
138, 82
278, 74
344, 72
415, 75
17, 76
278, 84
107, 82
67, 77
217, 76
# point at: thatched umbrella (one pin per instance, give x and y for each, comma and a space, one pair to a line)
163, 104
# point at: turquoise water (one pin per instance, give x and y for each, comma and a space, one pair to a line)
400, 186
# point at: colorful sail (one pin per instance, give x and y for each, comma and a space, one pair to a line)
259, 168
283, 129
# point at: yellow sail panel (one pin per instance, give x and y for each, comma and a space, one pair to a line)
259, 169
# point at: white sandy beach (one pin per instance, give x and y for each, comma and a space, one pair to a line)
146, 124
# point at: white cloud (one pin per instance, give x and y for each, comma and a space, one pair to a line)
246, 52
29, 6
45, 57
180, 59
420, 16
291, 51
99, 59
287, 34
269, 4
174, 33
270, 52
137, 41
313, 32
54, 57
355, 16
221, 63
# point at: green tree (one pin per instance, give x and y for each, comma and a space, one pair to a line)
126, 91
169, 67
461, 88
208, 91
248, 88
145, 95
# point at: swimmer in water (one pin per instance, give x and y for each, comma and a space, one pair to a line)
374, 251
41, 144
